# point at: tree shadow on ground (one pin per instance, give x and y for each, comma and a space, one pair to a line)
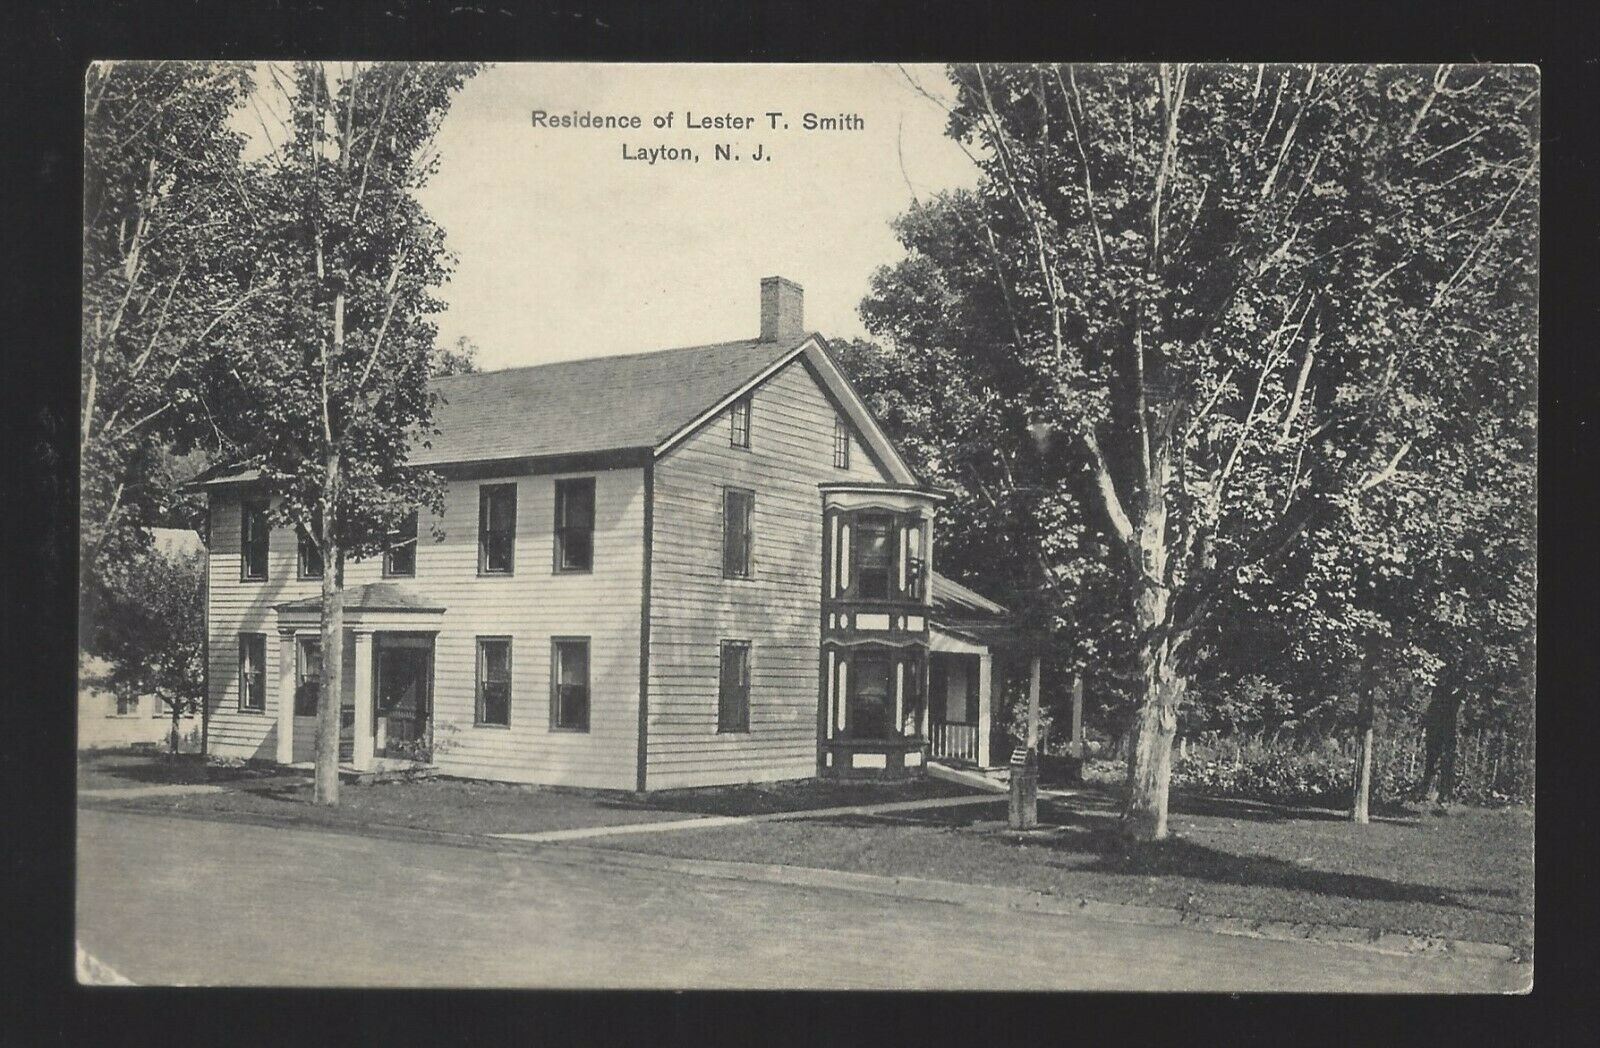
1106, 798
1109, 852
161, 768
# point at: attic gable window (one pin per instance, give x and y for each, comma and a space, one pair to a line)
841, 444
253, 535
739, 417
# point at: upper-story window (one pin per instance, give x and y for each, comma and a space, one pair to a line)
875, 555
253, 535
575, 524
497, 529
400, 556
738, 540
879, 555
739, 422
309, 556
841, 444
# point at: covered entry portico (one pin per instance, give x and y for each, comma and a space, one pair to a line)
386, 677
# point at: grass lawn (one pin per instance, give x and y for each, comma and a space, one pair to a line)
1467, 875
470, 807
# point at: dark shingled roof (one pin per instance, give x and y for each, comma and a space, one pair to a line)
599, 404
374, 596
963, 611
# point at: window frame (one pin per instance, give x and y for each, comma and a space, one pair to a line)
479, 719
841, 443
303, 546
301, 675
741, 724
560, 529
247, 536
246, 639
739, 437
485, 493
871, 654
860, 567
390, 545
556, 644
749, 555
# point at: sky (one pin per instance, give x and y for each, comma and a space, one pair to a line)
565, 249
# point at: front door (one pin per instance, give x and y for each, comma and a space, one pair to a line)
401, 724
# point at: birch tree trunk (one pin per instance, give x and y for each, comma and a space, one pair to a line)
1364, 733
330, 702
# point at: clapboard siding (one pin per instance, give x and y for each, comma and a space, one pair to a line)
693, 608
531, 607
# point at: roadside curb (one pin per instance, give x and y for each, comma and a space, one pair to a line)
979, 897
997, 899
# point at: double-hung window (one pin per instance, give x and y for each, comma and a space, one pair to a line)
309, 556
841, 444
569, 683
575, 524
497, 529
738, 512
400, 553
253, 672
253, 535
494, 682
739, 423
875, 555
733, 692
308, 675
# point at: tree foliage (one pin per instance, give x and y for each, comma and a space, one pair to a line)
329, 394
161, 287
152, 627
1237, 304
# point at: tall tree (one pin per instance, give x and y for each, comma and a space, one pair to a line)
161, 286
1235, 295
329, 396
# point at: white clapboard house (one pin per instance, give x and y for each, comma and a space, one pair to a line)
680, 568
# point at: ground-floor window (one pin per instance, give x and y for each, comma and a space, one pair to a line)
494, 681
733, 692
307, 675
127, 703
253, 672
878, 692
569, 683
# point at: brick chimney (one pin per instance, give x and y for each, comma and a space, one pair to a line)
782, 310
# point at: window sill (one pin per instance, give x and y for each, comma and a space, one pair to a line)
573, 571
491, 575
556, 729
496, 727
253, 713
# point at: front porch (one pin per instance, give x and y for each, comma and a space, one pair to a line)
386, 682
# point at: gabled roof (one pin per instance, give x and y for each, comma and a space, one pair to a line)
643, 402
601, 404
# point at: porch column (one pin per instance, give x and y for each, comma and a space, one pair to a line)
286, 667
985, 716
361, 645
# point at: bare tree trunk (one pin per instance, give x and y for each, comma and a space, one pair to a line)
330, 699
1364, 734
1144, 815
1440, 743
172, 738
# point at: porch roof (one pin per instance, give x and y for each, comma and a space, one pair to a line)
966, 613
374, 596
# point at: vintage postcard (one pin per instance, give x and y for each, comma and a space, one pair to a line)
871, 526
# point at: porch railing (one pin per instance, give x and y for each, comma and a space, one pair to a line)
954, 741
